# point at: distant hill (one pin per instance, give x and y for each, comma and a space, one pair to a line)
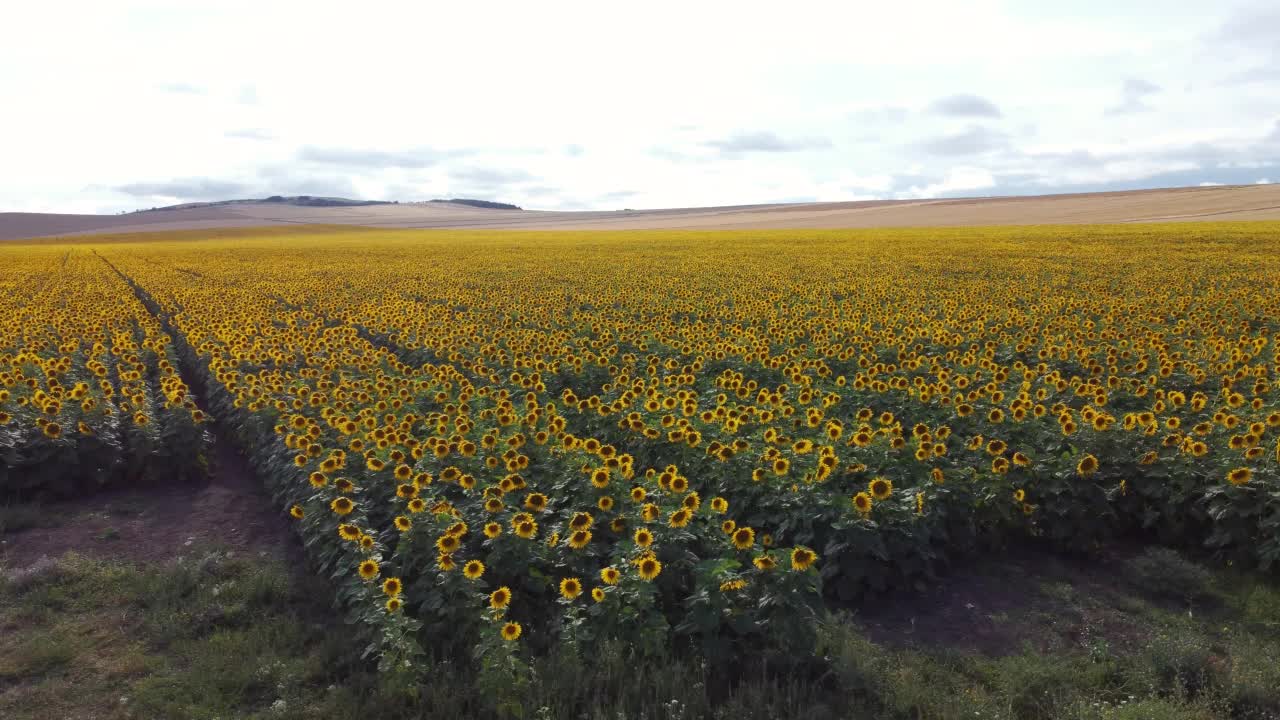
316, 201
488, 204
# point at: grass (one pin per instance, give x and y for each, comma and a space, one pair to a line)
220, 635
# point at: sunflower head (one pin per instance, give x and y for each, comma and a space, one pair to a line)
744, 538
610, 575
1087, 466
1240, 476
368, 569
643, 538
473, 569
881, 488
392, 586
862, 503
802, 558
296, 512
649, 567
511, 631
500, 598
570, 588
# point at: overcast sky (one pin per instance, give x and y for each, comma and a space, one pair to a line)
110, 106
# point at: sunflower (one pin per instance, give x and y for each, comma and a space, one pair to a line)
317, 479
937, 476
802, 558
366, 542
692, 502
744, 538
610, 575
392, 586
536, 502
368, 569
680, 518
719, 505
781, 466
862, 503
570, 588
649, 512
296, 512
1019, 495
511, 631
417, 505
643, 538
393, 604
579, 539
618, 524
732, 585
448, 543
765, 562
492, 530
473, 569
500, 598
402, 523
581, 521
1087, 466
881, 488
638, 494
649, 567
527, 529
605, 503
597, 594
350, 533
1240, 476
1021, 460
728, 526
342, 505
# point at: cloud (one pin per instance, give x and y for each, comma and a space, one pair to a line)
1263, 181
377, 159
489, 177
180, 88
1256, 26
247, 95
958, 180
250, 134
187, 189
1133, 96
766, 141
964, 105
974, 140
1211, 184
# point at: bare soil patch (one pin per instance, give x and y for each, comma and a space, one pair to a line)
156, 524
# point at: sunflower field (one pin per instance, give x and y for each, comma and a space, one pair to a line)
495, 442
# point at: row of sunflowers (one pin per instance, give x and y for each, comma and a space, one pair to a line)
90, 393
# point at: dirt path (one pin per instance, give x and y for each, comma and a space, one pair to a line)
153, 524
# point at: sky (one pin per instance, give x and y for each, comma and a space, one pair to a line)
116, 106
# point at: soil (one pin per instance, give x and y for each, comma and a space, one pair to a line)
998, 608
156, 524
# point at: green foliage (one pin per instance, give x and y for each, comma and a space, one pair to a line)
1165, 573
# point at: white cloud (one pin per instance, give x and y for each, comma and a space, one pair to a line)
1263, 181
